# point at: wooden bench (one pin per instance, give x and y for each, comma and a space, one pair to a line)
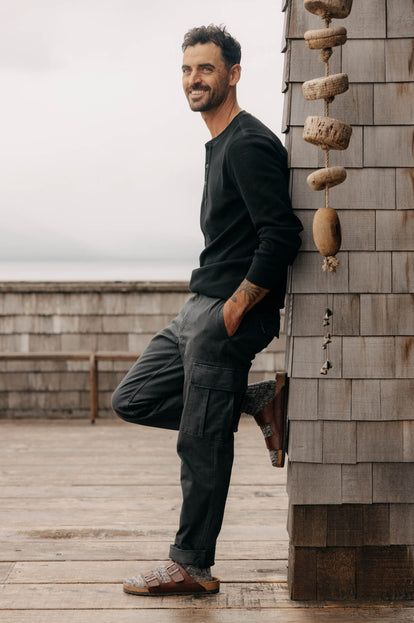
93, 359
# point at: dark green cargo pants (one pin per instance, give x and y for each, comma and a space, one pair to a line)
192, 378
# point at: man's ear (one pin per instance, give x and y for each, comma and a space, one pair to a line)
234, 75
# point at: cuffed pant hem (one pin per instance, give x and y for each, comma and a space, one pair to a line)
198, 558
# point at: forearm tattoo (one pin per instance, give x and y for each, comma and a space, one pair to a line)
248, 294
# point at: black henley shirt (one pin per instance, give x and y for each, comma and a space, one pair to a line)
249, 228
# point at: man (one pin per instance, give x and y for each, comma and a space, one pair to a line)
193, 375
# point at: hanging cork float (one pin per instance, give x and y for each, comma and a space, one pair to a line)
324, 131
325, 38
325, 88
326, 178
327, 231
329, 8
327, 133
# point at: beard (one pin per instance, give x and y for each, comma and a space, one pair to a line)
212, 99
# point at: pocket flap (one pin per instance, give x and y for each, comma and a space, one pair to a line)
215, 377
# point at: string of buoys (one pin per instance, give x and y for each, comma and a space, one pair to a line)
323, 131
327, 133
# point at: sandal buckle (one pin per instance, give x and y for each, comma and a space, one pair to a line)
175, 569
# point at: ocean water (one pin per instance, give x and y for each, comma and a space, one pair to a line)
96, 271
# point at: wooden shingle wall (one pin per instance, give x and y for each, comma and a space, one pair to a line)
351, 456
71, 317
88, 317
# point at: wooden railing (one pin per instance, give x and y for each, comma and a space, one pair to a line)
93, 359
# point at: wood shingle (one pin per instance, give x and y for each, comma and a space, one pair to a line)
376, 523
366, 399
345, 526
387, 314
404, 357
394, 103
356, 483
399, 55
309, 357
303, 401
405, 189
403, 271
309, 312
400, 18
308, 525
345, 319
301, 154
372, 51
402, 523
334, 399
370, 272
308, 276
340, 442
393, 482
368, 357
395, 230
380, 443
308, 482
397, 399
305, 441
363, 189
408, 441
388, 146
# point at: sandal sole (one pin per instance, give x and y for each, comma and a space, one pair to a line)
211, 588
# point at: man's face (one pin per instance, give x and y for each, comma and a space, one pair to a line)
205, 77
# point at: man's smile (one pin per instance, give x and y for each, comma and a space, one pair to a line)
198, 91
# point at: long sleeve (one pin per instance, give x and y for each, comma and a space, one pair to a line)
260, 173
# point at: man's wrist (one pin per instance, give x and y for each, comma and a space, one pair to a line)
247, 296
236, 307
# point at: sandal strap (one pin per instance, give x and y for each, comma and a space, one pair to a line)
177, 575
175, 572
151, 579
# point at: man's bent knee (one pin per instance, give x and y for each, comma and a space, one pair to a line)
121, 405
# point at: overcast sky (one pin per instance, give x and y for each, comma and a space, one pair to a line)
101, 156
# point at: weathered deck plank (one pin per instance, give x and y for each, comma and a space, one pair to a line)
285, 615
105, 596
94, 572
5, 569
110, 549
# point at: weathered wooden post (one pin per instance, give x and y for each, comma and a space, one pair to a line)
351, 448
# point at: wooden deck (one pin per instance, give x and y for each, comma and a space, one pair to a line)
84, 506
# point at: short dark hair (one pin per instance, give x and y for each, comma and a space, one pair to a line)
230, 47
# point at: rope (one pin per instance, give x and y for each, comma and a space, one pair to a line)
330, 263
326, 61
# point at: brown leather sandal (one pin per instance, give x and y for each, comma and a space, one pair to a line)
181, 583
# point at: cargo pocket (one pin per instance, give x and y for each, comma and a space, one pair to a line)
212, 400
